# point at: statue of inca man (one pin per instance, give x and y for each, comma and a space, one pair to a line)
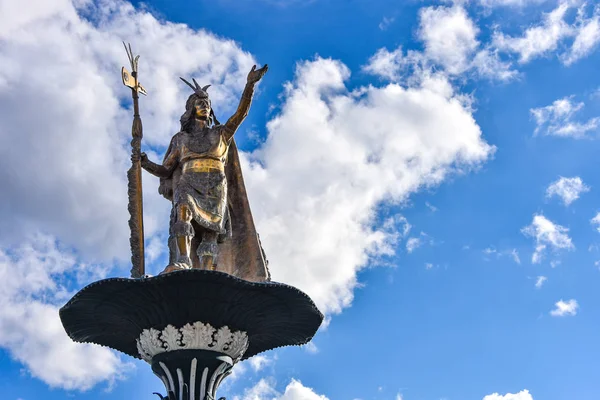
211, 225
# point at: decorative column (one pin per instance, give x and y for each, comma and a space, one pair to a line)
193, 360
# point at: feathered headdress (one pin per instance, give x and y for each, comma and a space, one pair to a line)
202, 93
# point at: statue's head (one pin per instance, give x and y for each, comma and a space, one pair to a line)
198, 107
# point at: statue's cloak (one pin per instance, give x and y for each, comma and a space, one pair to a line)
240, 253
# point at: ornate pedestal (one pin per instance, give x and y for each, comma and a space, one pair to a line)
192, 326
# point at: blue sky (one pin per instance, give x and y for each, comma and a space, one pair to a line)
426, 171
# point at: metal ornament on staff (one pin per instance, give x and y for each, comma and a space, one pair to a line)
134, 174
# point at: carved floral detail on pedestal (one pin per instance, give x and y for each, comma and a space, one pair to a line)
196, 336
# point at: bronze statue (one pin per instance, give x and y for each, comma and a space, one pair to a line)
197, 320
211, 225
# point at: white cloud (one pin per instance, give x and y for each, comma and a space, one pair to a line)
399, 396
315, 206
547, 234
413, 243
513, 253
515, 256
390, 65
265, 390
565, 308
449, 36
539, 281
259, 362
537, 40
431, 207
30, 327
311, 348
554, 33
296, 391
596, 221
489, 251
557, 119
450, 42
587, 36
522, 395
386, 22
509, 3
487, 64
568, 189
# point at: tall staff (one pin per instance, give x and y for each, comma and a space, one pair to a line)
134, 174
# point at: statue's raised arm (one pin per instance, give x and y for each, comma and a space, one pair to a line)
236, 119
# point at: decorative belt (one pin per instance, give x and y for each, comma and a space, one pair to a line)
203, 165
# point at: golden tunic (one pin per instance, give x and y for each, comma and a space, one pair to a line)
202, 183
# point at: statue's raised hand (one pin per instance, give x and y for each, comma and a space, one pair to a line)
256, 75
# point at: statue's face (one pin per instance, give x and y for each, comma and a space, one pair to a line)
202, 107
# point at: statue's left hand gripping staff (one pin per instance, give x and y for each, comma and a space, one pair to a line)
134, 174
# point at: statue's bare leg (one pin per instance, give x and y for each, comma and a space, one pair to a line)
182, 232
208, 250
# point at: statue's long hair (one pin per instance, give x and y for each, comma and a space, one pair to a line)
188, 115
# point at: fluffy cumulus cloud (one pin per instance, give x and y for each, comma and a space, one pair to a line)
265, 390
449, 38
65, 167
540, 39
565, 308
333, 155
387, 64
450, 42
558, 119
556, 33
259, 362
522, 395
29, 324
568, 189
547, 234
